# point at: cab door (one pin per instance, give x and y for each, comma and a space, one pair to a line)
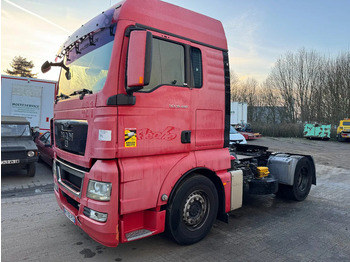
160, 122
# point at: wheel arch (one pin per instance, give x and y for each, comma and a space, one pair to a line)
214, 178
313, 168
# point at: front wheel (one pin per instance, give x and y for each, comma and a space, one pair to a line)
192, 211
302, 182
31, 170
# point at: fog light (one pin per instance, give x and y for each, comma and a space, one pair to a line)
98, 216
30, 153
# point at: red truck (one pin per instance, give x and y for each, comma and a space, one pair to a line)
141, 128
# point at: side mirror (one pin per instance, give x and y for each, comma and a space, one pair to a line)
45, 67
139, 60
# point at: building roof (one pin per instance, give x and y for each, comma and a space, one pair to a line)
14, 120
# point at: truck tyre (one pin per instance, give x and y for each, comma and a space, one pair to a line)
302, 182
192, 211
31, 169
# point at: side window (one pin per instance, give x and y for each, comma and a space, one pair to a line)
48, 141
196, 67
44, 138
168, 64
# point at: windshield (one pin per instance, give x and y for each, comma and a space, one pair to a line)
14, 130
346, 123
88, 64
233, 131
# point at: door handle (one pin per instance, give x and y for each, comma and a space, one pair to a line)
186, 137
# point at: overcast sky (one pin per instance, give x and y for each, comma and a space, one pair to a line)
258, 31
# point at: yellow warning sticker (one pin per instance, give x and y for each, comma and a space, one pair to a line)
130, 137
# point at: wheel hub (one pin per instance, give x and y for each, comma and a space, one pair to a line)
195, 209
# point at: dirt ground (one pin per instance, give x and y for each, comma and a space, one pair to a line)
326, 153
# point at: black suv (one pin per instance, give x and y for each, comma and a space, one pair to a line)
18, 150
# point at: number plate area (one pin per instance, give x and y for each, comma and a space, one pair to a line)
9, 162
70, 216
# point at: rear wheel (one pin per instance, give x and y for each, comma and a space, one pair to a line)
192, 211
302, 182
31, 169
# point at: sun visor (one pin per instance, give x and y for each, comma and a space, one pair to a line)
103, 20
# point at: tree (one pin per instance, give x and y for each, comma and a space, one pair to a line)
21, 67
311, 87
234, 82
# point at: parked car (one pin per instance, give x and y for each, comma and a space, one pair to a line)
43, 142
245, 129
236, 137
18, 151
343, 130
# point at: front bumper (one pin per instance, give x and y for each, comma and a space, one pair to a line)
14, 164
345, 135
72, 200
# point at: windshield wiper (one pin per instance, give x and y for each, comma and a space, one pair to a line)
81, 92
22, 133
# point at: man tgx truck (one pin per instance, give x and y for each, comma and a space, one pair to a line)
141, 128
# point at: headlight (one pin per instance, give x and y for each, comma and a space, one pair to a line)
99, 190
30, 153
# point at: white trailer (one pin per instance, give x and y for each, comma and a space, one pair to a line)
30, 98
239, 113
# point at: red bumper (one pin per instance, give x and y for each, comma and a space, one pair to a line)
106, 233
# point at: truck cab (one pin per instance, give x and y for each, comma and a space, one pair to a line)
141, 108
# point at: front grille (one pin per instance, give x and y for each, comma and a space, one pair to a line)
71, 201
70, 177
87, 211
9, 155
71, 135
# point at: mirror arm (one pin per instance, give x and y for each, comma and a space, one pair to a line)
131, 90
61, 64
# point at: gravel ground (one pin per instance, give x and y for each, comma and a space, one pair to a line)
328, 153
266, 228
